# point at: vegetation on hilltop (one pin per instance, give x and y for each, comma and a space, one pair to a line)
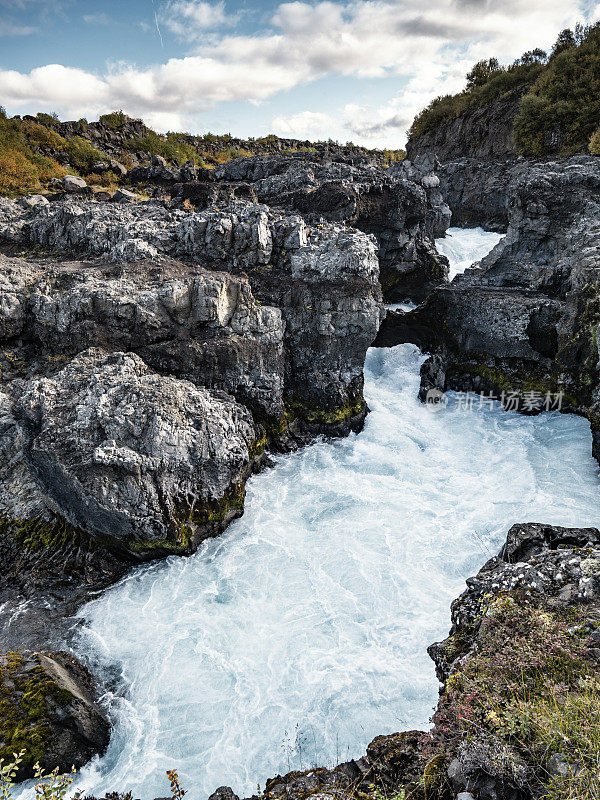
559, 111
35, 150
22, 168
486, 82
172, 147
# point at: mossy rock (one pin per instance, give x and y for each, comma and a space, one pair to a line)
48, 710
36, 535
297, 408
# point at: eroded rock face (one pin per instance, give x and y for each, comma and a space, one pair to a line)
318, 289
120, 452
203, 326
401, 206
482, 132
525, 318
50, 709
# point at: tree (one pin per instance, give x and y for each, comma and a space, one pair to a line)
536, 56
482, 71
581, 33
565, 40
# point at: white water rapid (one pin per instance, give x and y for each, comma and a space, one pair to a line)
301, 633
462, 247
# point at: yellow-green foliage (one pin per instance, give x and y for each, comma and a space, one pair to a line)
229, 153
393, 156
114, 120
22, 170
594, 145
82, 154
531, 686
560, 110
448, 107
173, 147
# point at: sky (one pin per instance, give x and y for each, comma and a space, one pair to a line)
350, 70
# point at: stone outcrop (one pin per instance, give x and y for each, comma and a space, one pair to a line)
49, 710
525, 318
483, 132
477, 191
123, 453
290, 311
401, 206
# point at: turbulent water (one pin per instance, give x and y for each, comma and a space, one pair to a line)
300, 634
463, 247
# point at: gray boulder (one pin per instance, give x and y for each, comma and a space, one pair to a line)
121, 452
72, 184
49, 701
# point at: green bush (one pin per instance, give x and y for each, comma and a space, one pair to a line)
562, 110
82, 154
173, 147
481, 91
114, 120
48, 119
22, 170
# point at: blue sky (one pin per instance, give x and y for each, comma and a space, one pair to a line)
355, 70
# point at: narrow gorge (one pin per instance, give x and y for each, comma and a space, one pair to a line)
302, 632
262, 418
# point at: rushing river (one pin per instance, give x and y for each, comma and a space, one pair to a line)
301, 633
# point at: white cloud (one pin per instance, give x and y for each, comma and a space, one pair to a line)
9, 29
431, 46
190, 18
314, 125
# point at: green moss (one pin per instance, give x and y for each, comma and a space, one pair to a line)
26, 694
258, 445
190, 521
520, 379
434, 773
36, 535
295, 407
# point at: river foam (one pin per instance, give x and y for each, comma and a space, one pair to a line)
301, 633
463, 246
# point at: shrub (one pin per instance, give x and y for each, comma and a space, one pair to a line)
23, 171
393, 156
114, 120
530, 691
562, 110
173, 147
48, 119
82, 154
559, 112
594, 145
42, 137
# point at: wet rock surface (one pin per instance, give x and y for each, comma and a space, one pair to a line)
50, 710
149, 355
523, 322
